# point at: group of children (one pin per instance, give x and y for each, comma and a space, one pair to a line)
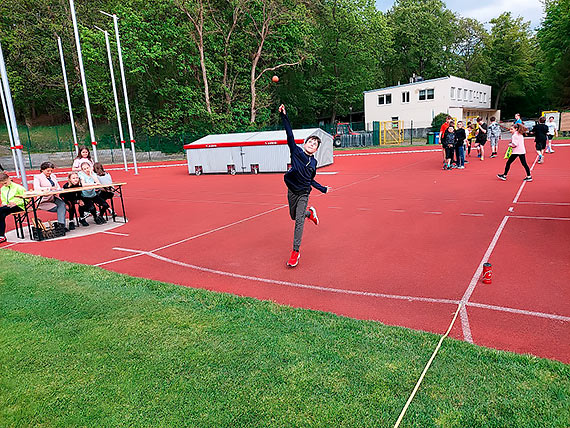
84, 173
456, 140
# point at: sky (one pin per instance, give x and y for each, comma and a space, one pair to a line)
485, 10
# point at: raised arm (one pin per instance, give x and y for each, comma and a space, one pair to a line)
288, 129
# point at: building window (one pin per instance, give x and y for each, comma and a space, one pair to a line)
406, 97
385, 99
470, 95
459, 94
422, 94
465, 94
430, 94
452, 93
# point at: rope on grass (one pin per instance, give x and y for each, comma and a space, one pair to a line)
426, 369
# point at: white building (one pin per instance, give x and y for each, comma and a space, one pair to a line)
420, 101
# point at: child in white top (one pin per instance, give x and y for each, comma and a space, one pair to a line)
84, 156
90, 195
552, 132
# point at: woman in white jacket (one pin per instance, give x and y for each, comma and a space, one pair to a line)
47, 180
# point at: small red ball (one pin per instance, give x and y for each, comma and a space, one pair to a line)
275, 79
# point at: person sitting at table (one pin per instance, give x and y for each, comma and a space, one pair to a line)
90, 195
47, 181
10, 201
104, 178
75, 201
84, 156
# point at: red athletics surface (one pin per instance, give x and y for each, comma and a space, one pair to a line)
400, 241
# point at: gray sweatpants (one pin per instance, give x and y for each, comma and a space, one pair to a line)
298, 211
61, 210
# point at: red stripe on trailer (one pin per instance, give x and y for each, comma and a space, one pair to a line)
239, 144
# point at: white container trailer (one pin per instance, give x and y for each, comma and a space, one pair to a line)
252, 152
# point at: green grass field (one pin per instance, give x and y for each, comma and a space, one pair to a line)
81, 346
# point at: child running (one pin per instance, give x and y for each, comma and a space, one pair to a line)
299, 179
519, 151
540, 138
552, 132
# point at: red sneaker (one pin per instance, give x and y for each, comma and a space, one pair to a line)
313, 217
3, 239
294, 259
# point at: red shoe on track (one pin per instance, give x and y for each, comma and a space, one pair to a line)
313, 217
294, 259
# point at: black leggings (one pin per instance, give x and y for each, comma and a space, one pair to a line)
5, 211
512, 159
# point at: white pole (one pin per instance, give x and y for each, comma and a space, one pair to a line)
17, 144
9, 128
115, 96
75, 142
127, 108
83, 81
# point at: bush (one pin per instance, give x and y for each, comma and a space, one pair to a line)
438, 121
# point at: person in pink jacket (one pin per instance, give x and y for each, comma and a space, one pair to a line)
46, 180
519, 151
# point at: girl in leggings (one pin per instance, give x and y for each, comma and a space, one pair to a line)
517, 143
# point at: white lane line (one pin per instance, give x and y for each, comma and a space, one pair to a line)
343, 291
511, 209
540, 218
520, 311
475, 279
116, 233
545, 203
486, 202
524, 183
365, 209
389, 153
117, 260
473, 214
335, 208
287, 283
398, 211
433, 212
327, 172
9, 245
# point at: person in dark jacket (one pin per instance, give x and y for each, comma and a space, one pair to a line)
481, 138
540, 131
449, 144
460, 137
300, 178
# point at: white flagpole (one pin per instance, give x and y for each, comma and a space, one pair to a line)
9, 128
17, 144
127, 108
115, 96
83, 81
75, 142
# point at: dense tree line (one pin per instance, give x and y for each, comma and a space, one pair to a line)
207, 64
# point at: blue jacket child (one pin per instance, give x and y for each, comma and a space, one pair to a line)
299, 180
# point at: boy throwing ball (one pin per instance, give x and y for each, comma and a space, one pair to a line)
299, 179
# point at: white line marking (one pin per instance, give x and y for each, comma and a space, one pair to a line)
398, 211
511, 209
389, 153
426, 368
341, 290
335, 208
117, 260
327, 172
465, 325
520, 311
433, 212
540, 218
473, 214
365, 209
545, 203
287, 283
9, 245
116, 233
476, 276
524, 183
486, 202
561, 145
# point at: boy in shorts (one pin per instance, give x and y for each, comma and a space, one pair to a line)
494, 133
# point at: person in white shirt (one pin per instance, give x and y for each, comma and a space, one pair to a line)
552, 132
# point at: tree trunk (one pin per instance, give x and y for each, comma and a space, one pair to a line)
500, 94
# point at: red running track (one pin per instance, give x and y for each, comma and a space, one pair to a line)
400, 241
